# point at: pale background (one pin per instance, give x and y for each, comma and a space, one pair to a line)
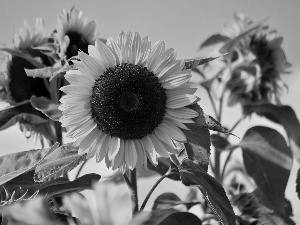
183, 25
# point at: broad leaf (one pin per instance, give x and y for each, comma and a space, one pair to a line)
268, 144
212, 190
62, 160
283, 115
171, 200
214, 39
270, 178
197, 148
45, 72
22, 112
24, 185
47, 107
298, 183
193, 63
15, 164
23, 55
181, 218
220, 142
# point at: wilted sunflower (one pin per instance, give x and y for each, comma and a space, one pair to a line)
263, 61
74, 33
15, 85
127, 101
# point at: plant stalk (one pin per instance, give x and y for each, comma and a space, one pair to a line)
134, 196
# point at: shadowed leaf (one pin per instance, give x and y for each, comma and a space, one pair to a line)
63, 159
220, 143
181, 218
270, 178
214, 39
15, 164
197, 148
47, 107
212, 190
22, 112
285, 116
298, 183
268, 144
213, 124
27, 57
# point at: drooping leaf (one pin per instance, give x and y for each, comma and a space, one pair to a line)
197, 148
63, 159
220, 143
212, 190
181, 218
24, 185
283, 115
170, 200
270, 178
268, 144
193, 63
13, 165
229, 45
22, 112
46, 106
23, 55
298, 183
214, 39
45, 72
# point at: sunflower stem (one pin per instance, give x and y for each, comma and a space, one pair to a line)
80, 169
134, 196
153, 188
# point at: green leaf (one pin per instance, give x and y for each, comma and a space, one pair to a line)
181, 218
23, 55
213, 124
162, 168
15, 164
285, 116
268, 144
197, 148
63, 159
212, 190
214, 39
298, 183
193, 63
45, 72
220, 143
228, 46
47, 107
270, 178
22, 112
170, 200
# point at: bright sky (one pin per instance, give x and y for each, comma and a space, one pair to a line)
183, 25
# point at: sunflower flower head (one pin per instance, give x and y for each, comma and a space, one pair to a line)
110, 205
127, 101
15, 85
263, 62
74, 33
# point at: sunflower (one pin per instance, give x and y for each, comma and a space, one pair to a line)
263, 62
73, 33
15, 85
107, 204
127, 101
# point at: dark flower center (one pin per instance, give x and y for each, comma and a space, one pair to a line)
128, 101
77, 42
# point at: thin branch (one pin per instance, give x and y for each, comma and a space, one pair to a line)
80, 168
153, 188
225, 164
